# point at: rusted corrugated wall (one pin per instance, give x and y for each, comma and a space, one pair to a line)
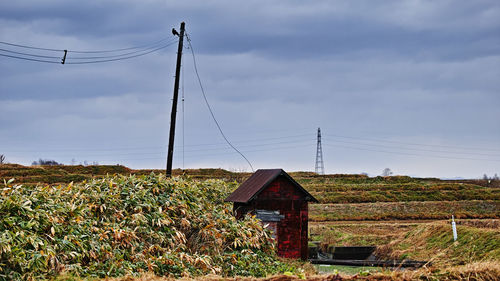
281, 195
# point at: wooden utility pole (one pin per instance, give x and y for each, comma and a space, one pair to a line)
174, 101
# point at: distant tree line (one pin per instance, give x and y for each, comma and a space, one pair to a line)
48, 162
386, 172
45, 162
491, 179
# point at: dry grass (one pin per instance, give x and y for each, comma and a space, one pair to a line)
434, 242
358, 233
281, 277
478, 271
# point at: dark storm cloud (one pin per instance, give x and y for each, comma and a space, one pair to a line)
331, 37
64, 82
415, 71
314, 30
323, 30
89, 19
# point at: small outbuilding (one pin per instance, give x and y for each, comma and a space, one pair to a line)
279, 202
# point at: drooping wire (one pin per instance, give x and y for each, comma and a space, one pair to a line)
145, 46
30, 59
27, 54
31, 47
87, 52
139, 51
120, 58
412, 149
410, 143
120, 55
246, 140
208, 105
411, 154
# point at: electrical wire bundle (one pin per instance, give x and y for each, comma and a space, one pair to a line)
49, 55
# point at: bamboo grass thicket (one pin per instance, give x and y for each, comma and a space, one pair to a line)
126, 225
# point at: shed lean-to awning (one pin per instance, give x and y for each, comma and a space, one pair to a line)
258, 182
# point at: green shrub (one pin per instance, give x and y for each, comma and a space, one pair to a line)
121, 225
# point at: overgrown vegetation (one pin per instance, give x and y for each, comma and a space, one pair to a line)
64, 174
475, 256
476, 271
115, 225
434, 242
121, 225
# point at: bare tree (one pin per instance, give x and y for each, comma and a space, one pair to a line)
386, 172
2, 158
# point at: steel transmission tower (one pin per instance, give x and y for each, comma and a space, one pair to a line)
320, 167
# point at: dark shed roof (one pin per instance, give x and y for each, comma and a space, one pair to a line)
258, 182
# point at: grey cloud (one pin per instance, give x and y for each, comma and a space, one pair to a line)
419, 71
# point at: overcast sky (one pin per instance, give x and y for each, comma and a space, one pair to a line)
408, 85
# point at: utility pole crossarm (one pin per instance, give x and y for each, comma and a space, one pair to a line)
174, 101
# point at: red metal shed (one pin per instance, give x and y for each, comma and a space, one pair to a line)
279, 201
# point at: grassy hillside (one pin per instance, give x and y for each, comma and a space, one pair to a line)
327, 188
405, 210
397, 197
434, 242
61, 174
360, 189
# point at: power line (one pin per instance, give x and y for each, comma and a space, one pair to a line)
260, 150
253, 145
208, 105
409, 143
142, 50
29, 59
119, 55
121, 58
413, 149
253, 141
145, 46
86, 52
412, 154
197, 155
27, 54
31, 47
5, 140
209, 152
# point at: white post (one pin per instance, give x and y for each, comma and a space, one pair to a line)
454, 228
